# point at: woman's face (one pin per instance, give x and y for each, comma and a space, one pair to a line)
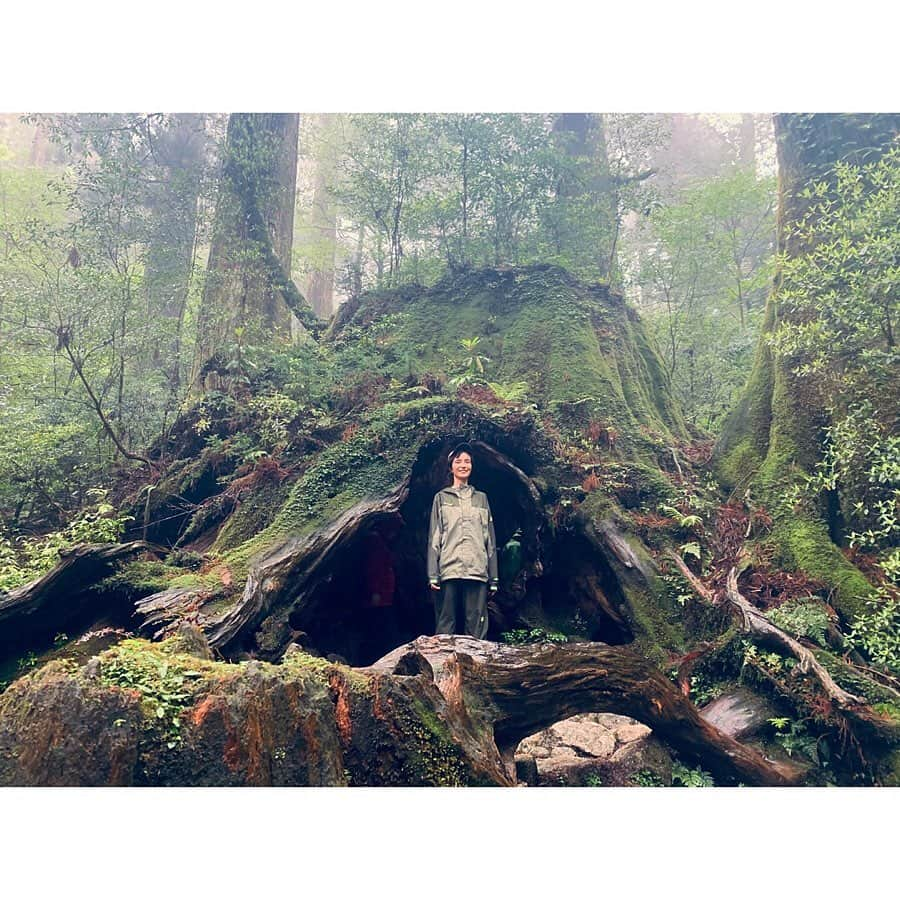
461, 467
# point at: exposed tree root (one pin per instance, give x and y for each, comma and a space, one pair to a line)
77, 569
513, 692
754, 622
287, 577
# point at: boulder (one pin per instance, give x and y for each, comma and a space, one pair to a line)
592, 749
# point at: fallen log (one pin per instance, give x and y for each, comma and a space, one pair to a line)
513, 692
442, 710
50, 604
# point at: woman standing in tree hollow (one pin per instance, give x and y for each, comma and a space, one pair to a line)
462, 552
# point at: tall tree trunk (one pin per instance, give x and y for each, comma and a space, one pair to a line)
320, 281
774, 435
588, 229
747, 146
173, 207
249, 293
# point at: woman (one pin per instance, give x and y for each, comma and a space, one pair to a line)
462, 552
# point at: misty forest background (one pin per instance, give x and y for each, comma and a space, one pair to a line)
153, 265
105, 276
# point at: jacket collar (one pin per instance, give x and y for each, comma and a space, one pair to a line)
456, 491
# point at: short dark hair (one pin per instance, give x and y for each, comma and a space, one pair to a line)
459, 448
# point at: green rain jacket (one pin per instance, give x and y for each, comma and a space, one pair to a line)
461, 540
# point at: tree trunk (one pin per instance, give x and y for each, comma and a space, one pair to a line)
747, 146
320, 282
774, 435
170, 259
587, 228
249, 293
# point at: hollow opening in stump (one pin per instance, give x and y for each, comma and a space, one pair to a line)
372, 594
580, 594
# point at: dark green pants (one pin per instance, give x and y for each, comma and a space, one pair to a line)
461, 602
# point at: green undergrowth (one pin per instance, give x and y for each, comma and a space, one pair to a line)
167, 682
857, 683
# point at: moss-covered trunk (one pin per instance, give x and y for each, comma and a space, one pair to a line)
249, 294
773, 438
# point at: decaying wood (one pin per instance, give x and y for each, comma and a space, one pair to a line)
47, 604
513, 692
756, 623
614, 541
159, 611
287, 576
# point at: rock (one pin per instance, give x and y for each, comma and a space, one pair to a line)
643, 755
585, 737
91, 669
739, 713
526, 769
592, 749
609, 720
625, 734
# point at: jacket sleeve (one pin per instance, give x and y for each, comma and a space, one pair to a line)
434, 540
493, 577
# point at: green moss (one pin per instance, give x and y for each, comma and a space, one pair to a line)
659, 629
253, 514
143, 576
146, 577
737, 467
652, 486
804, 544
744, 440
891, 710
434, 759
540, 325
769, 444
890, 774
298, 661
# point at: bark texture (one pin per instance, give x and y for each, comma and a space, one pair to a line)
249, 289
51, 604
440, 711
775, 432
